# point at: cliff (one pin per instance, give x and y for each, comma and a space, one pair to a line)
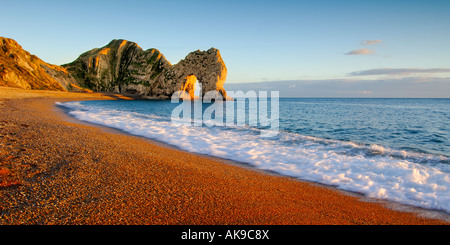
121, 66
124, 67
18, 68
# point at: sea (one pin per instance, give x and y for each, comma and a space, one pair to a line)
391, 149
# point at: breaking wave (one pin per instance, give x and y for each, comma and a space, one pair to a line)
408, 177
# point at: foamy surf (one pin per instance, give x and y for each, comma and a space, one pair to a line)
411, 178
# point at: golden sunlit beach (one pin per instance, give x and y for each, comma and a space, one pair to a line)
57, 170
225, 121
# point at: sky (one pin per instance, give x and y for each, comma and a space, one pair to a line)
305, 42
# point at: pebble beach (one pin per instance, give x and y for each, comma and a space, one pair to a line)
55, 170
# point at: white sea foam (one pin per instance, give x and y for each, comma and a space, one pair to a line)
410, 178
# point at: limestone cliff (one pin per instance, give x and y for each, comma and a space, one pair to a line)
124, 67
121, 66
206, 66
18, 68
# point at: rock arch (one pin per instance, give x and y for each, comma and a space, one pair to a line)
208, 68
189, 86
124, 67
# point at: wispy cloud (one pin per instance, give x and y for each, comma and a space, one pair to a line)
370, 42
362, 51
398, 72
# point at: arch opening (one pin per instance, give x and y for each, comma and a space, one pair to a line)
192, 87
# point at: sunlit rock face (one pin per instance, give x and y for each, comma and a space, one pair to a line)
207, 67
19, 68
124, 67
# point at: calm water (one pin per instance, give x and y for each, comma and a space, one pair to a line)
418, 125
395, 149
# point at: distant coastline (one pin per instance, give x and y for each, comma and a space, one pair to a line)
345, 88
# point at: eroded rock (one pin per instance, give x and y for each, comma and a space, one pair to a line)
19, 68
124, 67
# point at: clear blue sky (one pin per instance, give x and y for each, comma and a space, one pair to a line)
259, 40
